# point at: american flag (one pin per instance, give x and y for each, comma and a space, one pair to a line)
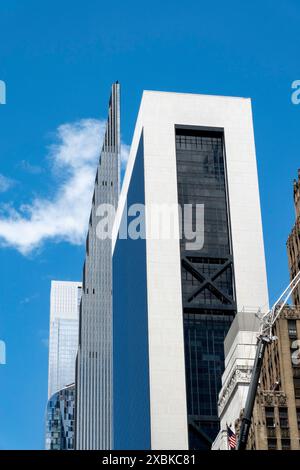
231, 438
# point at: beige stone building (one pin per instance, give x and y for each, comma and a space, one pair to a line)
276, 415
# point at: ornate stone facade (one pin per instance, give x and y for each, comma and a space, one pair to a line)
276, 414
240, 375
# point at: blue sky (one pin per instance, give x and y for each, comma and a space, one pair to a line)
58, 59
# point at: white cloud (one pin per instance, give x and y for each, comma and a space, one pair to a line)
5, 183
64, 217
43, 336
124, 155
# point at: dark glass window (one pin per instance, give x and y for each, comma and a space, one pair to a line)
285, 444
292, 328
207, 278
298, 417
283, 418
297, 387
272, 444
201, 180
204, 344
270, 419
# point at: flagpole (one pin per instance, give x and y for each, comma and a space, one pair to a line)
227, 440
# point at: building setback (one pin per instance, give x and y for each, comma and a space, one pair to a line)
94, 360
240, 349
173, 303
63, 343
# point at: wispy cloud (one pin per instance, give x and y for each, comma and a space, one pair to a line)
64, 217
43, 336
5, 183
125, 149
29, 299
29, 168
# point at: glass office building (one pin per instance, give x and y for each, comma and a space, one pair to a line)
63, 335
173, 303
63, 344
60, 419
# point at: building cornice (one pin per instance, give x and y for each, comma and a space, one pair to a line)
240, 375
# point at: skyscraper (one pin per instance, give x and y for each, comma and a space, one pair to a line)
94, 361
174, 301
63, 343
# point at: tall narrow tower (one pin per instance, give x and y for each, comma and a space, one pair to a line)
94, 360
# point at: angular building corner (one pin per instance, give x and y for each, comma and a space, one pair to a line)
172, 305
94, 359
